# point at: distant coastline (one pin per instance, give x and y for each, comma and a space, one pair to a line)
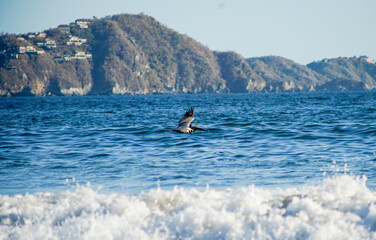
135, 54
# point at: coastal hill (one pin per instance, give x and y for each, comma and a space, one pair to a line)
135, 54
282, 74
356, 73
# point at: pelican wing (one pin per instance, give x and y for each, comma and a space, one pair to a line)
186, 120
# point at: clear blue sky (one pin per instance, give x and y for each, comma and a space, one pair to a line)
301, 30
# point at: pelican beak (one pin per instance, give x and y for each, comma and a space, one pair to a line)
199, 128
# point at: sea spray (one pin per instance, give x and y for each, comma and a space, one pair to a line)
340, 207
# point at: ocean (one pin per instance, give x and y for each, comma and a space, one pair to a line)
272, 166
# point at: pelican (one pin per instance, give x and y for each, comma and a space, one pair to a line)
185, 123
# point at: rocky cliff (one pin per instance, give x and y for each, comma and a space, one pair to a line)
281, 74
237, 73
356, 73
135, 54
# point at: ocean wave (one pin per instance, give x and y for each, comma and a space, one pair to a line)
340, 207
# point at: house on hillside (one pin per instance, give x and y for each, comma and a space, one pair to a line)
21, 50
76, 41
30, 49
82, 23
50, 43
27, 49
41, 35
366, 59
82, 55
64, 28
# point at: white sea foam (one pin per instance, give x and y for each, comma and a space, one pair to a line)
338, 208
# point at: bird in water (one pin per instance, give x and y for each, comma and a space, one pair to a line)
185, 123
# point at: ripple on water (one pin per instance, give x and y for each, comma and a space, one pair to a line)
253, 139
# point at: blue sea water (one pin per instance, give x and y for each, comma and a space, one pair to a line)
273, 166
